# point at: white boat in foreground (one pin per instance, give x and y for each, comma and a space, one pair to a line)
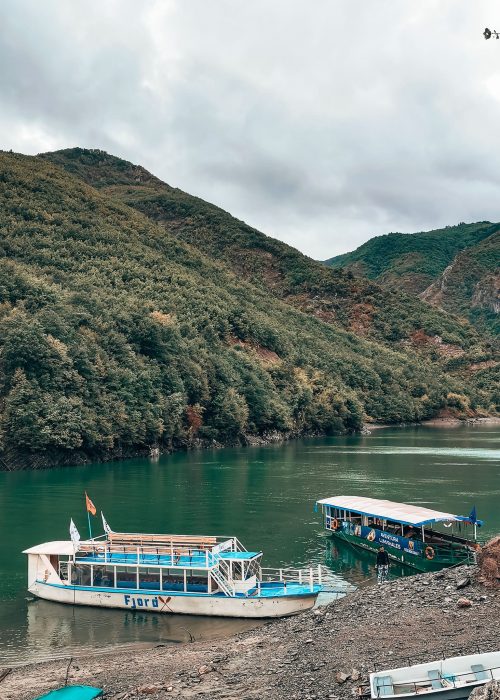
452, 679
169, 574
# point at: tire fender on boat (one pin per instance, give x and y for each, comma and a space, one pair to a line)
334, 524
430, 553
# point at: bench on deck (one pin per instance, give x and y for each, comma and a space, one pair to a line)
435, 678
180, 541
479, 672
384, 686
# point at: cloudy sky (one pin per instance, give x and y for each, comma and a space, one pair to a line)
322, 123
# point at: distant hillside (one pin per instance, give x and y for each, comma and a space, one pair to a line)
337, 297
115, 335
455, 268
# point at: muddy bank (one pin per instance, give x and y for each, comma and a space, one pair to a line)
416, 618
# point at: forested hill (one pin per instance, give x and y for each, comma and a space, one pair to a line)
455, 268
116, 335
356, 304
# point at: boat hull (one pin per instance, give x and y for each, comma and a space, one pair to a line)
420, 563
177, 603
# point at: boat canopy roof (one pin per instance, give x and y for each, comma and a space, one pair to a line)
59, 547
390, 510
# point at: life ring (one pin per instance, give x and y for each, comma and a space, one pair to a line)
430, 553
334, 524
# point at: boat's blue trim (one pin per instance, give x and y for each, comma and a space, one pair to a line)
302, 591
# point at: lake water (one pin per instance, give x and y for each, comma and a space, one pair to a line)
263, 495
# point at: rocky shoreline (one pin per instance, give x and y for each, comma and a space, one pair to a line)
326, 653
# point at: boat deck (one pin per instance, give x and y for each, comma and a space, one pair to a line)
194, 560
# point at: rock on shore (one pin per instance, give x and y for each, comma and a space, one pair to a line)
325, 653
490, 691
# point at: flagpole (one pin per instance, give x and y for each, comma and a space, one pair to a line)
90, 528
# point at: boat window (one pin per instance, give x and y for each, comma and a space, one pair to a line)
172, 581
103, 576
149, 578
126, 577
80, 575
252, 569
237, 574
63, 570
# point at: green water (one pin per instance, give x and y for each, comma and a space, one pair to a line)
263, 495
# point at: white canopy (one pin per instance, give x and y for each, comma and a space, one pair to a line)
390, 510
63, 547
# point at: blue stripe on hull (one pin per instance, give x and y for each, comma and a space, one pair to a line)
268, 590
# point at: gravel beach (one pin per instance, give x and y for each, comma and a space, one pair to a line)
325, 653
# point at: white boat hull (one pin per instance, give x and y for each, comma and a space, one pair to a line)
176, 603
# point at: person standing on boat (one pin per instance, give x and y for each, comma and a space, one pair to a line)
382, 565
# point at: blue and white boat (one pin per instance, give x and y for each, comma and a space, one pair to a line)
450, 678
184, 574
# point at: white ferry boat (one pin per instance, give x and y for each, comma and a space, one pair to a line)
168, 574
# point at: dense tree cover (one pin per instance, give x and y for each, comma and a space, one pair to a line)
357, 304
455, 268
116, 335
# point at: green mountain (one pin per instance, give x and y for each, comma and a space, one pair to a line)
116, 334
356, 304
455, 268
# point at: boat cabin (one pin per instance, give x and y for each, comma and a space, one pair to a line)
414, 535
176, 563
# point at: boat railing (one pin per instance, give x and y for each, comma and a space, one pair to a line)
172, 555
447, 680
311, 576
458, 554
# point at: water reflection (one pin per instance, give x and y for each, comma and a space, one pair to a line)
55, 630
355, 565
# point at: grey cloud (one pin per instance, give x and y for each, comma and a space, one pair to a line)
320, 124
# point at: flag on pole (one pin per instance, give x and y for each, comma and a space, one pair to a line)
90, 506
473, 515
105, 525
75, 535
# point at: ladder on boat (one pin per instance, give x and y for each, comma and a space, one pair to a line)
224, 582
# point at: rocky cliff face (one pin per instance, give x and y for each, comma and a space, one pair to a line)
487, 294
455, 269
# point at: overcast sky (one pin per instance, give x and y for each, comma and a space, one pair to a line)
321, 123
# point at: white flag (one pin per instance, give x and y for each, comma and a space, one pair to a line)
105, 525
75, 535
